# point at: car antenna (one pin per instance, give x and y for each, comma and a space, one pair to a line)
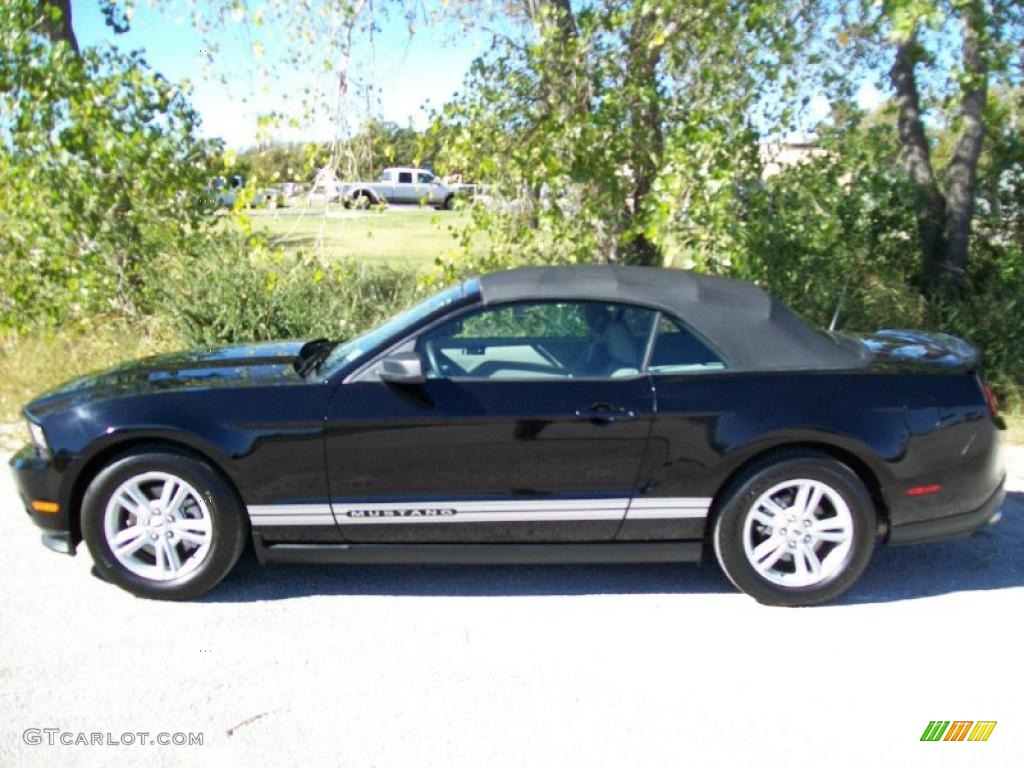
839, 304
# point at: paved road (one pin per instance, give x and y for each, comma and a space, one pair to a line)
560, 666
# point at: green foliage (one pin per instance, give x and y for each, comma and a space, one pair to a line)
282, 162
378, 145
549, 320
841, 223
593, 130
990, 315
630, 133
838, 221
599, 131
223, 296
101, 173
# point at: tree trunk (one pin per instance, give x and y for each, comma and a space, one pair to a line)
648, 144
59, 29
961, 189
930, 206
641, 251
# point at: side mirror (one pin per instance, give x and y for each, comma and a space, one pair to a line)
403, 368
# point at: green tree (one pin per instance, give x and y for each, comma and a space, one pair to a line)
390, 144
944, 58
594, 127
842, 223
101, 171
278, 162
378, 145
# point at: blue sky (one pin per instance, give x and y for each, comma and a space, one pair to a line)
410, 72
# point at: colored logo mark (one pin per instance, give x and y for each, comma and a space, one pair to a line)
958, 730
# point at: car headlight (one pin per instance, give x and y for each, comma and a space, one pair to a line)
38, 438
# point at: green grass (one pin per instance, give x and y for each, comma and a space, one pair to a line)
401, 236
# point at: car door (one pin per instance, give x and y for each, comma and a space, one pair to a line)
405, 188
424, 180
528, 427
683, 467
386, 186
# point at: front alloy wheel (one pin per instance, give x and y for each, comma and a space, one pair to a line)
162, 523
795, 530
158, 526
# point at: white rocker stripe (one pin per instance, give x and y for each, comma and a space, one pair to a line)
291, 514
668, 508
437, 512
532, 510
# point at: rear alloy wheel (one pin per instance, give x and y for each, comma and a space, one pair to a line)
798, 531
162, 525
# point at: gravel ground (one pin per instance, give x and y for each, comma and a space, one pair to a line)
501, 666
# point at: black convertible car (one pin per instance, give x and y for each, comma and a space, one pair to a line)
576, 414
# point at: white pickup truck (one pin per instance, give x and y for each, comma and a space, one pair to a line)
225, 193
400, 185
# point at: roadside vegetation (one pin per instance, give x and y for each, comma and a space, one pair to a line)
31, 362
416, 238
636, 133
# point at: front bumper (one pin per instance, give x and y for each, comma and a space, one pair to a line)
952, 526
37, 479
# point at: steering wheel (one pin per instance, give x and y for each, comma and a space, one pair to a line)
435, 367
440, 363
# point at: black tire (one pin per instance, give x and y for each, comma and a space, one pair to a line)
737, 504
227, 523
449, 202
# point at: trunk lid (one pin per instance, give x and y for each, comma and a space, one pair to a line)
921, 349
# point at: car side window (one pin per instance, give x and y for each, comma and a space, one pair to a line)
405, 177
386, 176
678, 350
540, 340
424, 178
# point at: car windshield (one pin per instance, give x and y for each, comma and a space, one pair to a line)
354, 349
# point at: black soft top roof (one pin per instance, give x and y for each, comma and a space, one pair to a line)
750, 328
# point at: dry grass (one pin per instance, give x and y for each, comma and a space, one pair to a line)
33, 363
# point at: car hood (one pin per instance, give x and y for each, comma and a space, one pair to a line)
237, 365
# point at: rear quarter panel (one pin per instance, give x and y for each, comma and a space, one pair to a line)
904, 429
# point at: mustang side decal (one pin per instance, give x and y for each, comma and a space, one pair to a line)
361, 513
497, 511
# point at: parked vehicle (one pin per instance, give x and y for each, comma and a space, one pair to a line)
571, 414
227, 191
401, 185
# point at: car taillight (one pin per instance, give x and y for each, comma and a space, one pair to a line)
990, 397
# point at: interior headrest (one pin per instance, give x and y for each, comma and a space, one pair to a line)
620, 344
